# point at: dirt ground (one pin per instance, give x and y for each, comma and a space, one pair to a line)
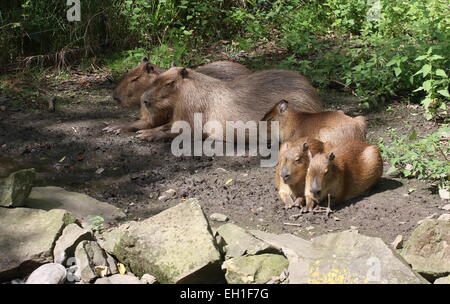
68, 146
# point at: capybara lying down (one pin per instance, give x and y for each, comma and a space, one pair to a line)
327, 126
290, 174
345, 171
129, 90
246, 98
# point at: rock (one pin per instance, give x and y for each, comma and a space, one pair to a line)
27, 237
16, 187
341, 257
398, 242
65, 246
428, 249
170, 193
92, 261
218, 217
237, 242
119, 279
444, 194
176, 246
52, 273
163, 198
254, 269
82, 206
148, 279
444, 280
444, 217
446, 207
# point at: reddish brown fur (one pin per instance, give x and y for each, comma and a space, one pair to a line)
247, 98
346, 171
293, 161
129, 90
327, 126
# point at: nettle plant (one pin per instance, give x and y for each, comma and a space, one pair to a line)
426, 158
435, 84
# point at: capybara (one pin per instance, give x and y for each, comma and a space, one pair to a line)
327, 126
290, 174
246, 98
129, 90
344, 172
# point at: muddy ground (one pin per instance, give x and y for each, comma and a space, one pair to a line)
68, 146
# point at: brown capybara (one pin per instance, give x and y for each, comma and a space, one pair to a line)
327, 126
129, 90
246, 98
345, 171
290, 174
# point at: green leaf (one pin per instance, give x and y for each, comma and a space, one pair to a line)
421, 58
413, 135
426, 69
444, 92
427, 85
397, 71
441, 72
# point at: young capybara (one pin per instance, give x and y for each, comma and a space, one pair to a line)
246, 98
129, 90
290, 174
344, 172
327, 126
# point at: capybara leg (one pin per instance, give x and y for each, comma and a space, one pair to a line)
310, 203
160, 132
128, 127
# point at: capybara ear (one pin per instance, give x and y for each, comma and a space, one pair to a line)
331, 156
172, 64
282, 105
149, 67
184, 72
144, 59
310, 154
305, 146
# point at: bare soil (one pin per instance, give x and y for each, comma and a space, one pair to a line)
68, 146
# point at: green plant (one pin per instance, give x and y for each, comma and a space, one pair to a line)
426, 158
97, 223
435, 84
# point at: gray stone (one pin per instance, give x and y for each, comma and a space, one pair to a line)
82, 206
148, 279
398, 242
27, 237
444, 280
428, 249
119, 279
16, 187
343, 257
176, 246
92, 261
236, 242
65, 246
52, 273
254, 269
218, 217
444, 217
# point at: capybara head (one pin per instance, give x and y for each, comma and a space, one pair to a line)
129, 90
294, 159
321, 175
165, 88
277, 111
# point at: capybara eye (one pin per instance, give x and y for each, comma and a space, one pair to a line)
170, 83
134, 79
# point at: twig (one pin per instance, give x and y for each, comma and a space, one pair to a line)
292, 224
346, 86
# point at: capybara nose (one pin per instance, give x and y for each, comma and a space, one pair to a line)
285, 174
315, 192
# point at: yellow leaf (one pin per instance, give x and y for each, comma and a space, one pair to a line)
228, 181
62, 159
121, 268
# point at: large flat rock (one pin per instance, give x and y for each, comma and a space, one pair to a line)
428, 248
343, 257
80, 205
27, 238
175, 246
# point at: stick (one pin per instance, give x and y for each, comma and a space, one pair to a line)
292, 224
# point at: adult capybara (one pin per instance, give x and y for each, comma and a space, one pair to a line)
344, 172
290, 174
327, 126
129, 90
246, 98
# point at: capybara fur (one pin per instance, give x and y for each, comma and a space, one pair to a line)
327, 126
346, 171
290, 174
246, 98
129, 90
